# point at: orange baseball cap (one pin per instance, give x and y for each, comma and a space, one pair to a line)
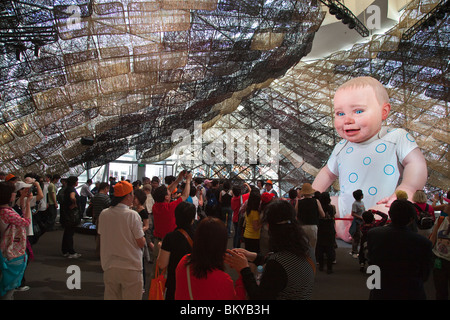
122, 188
9, 177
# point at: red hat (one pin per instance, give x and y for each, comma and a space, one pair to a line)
269, 182
122, 188
266, 197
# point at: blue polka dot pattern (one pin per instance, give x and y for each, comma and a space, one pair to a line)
381, 148
353, 177
410, 137
389, 169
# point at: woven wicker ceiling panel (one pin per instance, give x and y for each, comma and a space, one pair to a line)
129, 73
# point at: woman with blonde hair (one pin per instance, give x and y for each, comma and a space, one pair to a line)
424, 212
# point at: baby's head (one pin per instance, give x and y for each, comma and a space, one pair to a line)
360, 106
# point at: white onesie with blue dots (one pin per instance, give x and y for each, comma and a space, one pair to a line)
374, 166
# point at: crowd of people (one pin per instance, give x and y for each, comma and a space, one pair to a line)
183, 226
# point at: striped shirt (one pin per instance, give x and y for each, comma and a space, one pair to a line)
286, 276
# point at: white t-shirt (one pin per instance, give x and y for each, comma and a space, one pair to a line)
374, 166
119, 227
43, 203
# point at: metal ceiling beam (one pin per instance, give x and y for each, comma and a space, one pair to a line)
344, 14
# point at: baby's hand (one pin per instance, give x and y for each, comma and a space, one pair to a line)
388, 200
380, 207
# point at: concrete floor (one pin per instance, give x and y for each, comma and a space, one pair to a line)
48, 274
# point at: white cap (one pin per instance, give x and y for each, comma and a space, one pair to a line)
20, 185
30, 180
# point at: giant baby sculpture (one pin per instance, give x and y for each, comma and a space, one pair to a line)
370, 157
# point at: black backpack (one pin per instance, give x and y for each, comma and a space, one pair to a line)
424, 218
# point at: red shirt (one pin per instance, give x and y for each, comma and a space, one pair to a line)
236, 204
164, 217
218, 285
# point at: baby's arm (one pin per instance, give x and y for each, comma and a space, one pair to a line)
414, 176
324, 179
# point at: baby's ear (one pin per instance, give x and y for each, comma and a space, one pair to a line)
385, 109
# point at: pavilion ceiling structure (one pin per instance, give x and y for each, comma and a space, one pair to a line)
128, 73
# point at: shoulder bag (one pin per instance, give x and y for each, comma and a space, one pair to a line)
72, 217
157, 285
188, 271
188, 238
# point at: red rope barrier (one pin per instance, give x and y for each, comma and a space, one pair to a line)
351, 219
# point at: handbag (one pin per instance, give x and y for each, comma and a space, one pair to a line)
157, 285
11, 272
354, 226
72, 217
424, 219
13, 242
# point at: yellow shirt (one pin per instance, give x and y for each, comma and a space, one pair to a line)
250, 232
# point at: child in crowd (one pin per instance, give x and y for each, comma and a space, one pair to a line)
357, 211
369, 155
369, 223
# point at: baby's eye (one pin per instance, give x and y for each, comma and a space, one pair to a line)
339, 114
359, 111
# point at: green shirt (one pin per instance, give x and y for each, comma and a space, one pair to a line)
51, 189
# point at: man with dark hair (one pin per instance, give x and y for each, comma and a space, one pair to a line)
155, 183
403, 257
164, 209
169, 179
212, 206
100, 201
85, 194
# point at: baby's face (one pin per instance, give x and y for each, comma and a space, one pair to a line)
358, 114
